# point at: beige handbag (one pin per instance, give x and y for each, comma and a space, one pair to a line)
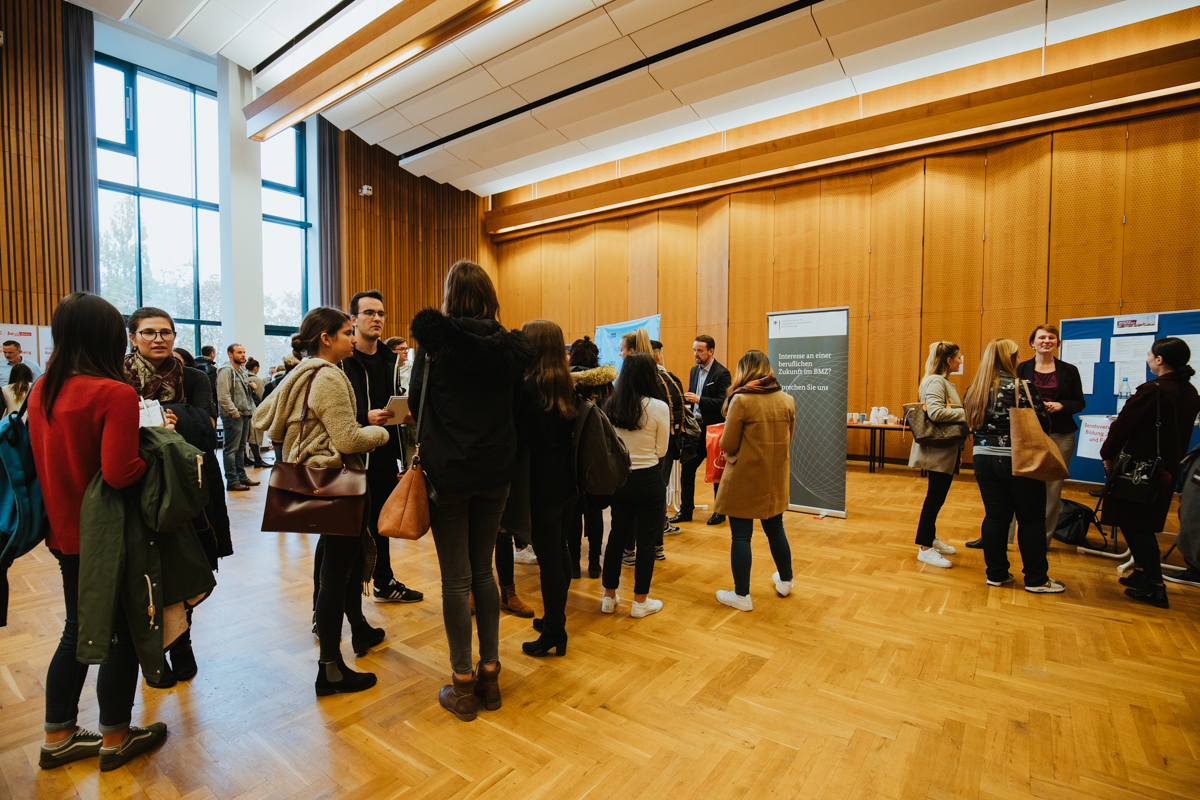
1034, 454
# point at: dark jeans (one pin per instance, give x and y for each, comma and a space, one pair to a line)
504, 558
550, 525
1143, 546
637, 517
118, 678
586, 518
740, 556
339, 591
382, 476
237, 434
687, 485
464, 528
935, 497
1003, 496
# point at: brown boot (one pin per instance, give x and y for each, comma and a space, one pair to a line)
487, 687
512, 604
459, 698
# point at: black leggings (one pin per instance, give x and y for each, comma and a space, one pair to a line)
549, 534
637, 517
339, 591
935, 497
1143, 546
586, 518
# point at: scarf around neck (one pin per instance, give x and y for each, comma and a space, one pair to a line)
764, 385
164, 384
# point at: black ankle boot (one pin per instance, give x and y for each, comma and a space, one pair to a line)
545, 643
593, 565
364, 637
164, 681
1154, 594
334, 677
1135, 580
183, 662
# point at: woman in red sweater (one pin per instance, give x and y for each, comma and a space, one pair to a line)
83, 419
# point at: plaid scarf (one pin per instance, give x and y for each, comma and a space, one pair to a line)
164, 384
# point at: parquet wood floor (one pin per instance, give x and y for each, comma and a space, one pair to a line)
879, 677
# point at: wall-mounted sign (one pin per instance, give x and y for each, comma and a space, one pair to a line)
1135, 323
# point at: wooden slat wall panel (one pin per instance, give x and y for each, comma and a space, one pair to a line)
797, 246
856, 383
894, 367
960, 327
1161, 270
582, 317
677, 285
612, 271
952, 277
642, 287
556, 277
508, 272
34, 269
1087, 201
751, 278
403, 238
529, 300
897, 224
845, 238
712, 272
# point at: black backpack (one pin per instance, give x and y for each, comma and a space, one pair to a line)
600, 457
1075, 520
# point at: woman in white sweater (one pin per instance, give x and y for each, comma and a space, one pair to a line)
942, 405
644, 424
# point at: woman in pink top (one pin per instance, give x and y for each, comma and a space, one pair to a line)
83, 419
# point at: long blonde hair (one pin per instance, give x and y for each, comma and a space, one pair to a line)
753, 366
999, 358
638, 342
938, 362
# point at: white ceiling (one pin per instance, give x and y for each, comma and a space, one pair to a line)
833, 50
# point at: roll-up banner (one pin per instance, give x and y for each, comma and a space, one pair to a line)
811, 354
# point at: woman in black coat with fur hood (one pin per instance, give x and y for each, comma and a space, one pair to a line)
468, 440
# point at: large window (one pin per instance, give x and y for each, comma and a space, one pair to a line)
160, 242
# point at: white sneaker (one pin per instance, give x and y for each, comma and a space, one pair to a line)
1051, 586
782, 587
609, 604
735, 600
526, 556
651, 606
943, 548
933, 558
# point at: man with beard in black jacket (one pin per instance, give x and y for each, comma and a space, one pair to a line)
374, 373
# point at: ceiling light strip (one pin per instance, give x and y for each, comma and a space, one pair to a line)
450, 29
768, 16
304, 34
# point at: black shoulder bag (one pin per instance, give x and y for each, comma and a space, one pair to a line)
1137, 481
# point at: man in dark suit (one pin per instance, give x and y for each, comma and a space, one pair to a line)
707, 385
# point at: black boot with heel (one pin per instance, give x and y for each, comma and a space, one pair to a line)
545, 643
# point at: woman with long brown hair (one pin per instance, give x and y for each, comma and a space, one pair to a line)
992, 393
468, 439
20, 380
547, 412
942, 405
760, 419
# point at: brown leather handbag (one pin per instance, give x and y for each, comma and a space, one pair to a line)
405, 515
1034, 453
304, 499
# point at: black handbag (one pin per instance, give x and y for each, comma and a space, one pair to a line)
1137, 481
315, 499
928, 433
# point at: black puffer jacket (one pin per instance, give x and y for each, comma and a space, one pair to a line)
994, 432
468, 436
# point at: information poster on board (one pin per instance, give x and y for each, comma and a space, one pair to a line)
810, 351
608, 337
26, 336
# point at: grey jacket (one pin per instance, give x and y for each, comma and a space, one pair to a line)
938, 395
233, 392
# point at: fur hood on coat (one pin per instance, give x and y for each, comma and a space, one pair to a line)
332, 435
597, 376
480, 347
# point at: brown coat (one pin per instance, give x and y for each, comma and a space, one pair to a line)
757, 442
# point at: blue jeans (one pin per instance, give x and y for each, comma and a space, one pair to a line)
118, 679
1004, 495
740, 556
237, 435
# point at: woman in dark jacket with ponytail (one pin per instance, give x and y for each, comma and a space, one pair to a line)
1172, 398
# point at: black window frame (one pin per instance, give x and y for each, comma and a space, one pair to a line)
299, 190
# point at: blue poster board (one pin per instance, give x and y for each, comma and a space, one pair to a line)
1103, 399
608, 337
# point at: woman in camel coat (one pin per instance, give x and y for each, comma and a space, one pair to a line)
759, 421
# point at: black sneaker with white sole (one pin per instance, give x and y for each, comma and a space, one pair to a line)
396, 592
80, 744
1189, 576
137, 741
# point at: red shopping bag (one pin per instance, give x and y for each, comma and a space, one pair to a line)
714, 465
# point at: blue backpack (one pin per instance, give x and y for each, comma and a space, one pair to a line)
22, 514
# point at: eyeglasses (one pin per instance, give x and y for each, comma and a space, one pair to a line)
150, 336
373, 313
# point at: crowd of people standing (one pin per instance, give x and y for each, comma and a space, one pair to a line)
503, 463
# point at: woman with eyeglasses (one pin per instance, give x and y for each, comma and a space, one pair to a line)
156, 373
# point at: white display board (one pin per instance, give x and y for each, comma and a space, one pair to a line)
27, 335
